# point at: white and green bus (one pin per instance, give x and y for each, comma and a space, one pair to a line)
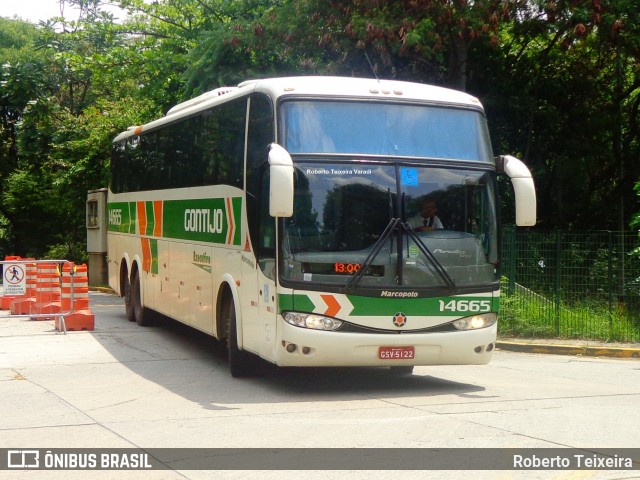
278, 216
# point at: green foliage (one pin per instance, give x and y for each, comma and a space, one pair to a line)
527, 315
76, 85
21, 83
570, 284
561, 89
416, 40
37, 219
76, 252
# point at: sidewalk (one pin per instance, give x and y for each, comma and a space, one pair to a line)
562, 346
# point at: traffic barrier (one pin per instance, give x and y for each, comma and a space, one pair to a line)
25, 304
5, 300
47, 290
42, 283
75, 299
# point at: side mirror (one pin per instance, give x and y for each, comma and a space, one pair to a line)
281, 182
523, 188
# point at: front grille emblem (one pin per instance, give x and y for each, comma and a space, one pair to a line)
399, 319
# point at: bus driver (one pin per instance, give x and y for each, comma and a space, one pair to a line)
427, 219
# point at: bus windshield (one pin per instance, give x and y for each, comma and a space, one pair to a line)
378, 128
343, 212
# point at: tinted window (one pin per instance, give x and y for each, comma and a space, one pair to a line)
261, 224
204, 149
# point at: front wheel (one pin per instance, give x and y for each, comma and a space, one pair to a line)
241, 363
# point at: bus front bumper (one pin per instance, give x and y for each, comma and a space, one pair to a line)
304, 347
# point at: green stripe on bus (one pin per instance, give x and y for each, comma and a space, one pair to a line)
133, 217
300, 303
148, 206
154, 255
445, 306
449, 306
202, 220
121, 217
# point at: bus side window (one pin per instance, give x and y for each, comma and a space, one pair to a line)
223, 143
118, 165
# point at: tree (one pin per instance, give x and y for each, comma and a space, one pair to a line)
21, 84
420, 40
78, 89
557, 94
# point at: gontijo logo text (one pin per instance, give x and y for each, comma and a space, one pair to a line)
202, 220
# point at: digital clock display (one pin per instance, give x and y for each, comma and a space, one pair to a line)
341, 268
348, 268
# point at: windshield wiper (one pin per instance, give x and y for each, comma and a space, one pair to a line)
391, 226
411, 233
442, 272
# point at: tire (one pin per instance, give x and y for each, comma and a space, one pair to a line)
241, 363
401, 370
141, 314
128, 305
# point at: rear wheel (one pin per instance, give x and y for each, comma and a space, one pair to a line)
241, 363
141, 314
128, 304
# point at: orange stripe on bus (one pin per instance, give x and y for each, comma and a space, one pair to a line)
333, 306
146, 254
142, 218
231, 230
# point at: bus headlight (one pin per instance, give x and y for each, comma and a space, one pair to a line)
313, 321
475, 321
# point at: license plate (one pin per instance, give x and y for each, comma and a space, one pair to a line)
396, 353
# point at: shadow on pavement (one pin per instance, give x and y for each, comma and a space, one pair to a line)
170, 351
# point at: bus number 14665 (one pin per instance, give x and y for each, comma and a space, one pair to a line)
115, 216
473, 306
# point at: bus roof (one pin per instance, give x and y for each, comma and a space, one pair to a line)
317, 86
361, 88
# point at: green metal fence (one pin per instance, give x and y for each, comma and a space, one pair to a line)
570, 285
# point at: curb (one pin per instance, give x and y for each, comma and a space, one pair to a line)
102, 289
578, 350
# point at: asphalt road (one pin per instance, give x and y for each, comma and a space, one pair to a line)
124, 386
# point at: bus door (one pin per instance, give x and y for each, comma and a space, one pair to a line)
259, 273
249, 301
267, 317
267, 286
259, 297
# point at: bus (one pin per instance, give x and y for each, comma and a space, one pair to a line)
277, 216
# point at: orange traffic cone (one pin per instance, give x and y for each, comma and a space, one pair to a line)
75, 283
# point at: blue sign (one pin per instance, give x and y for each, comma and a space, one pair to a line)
409, 176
